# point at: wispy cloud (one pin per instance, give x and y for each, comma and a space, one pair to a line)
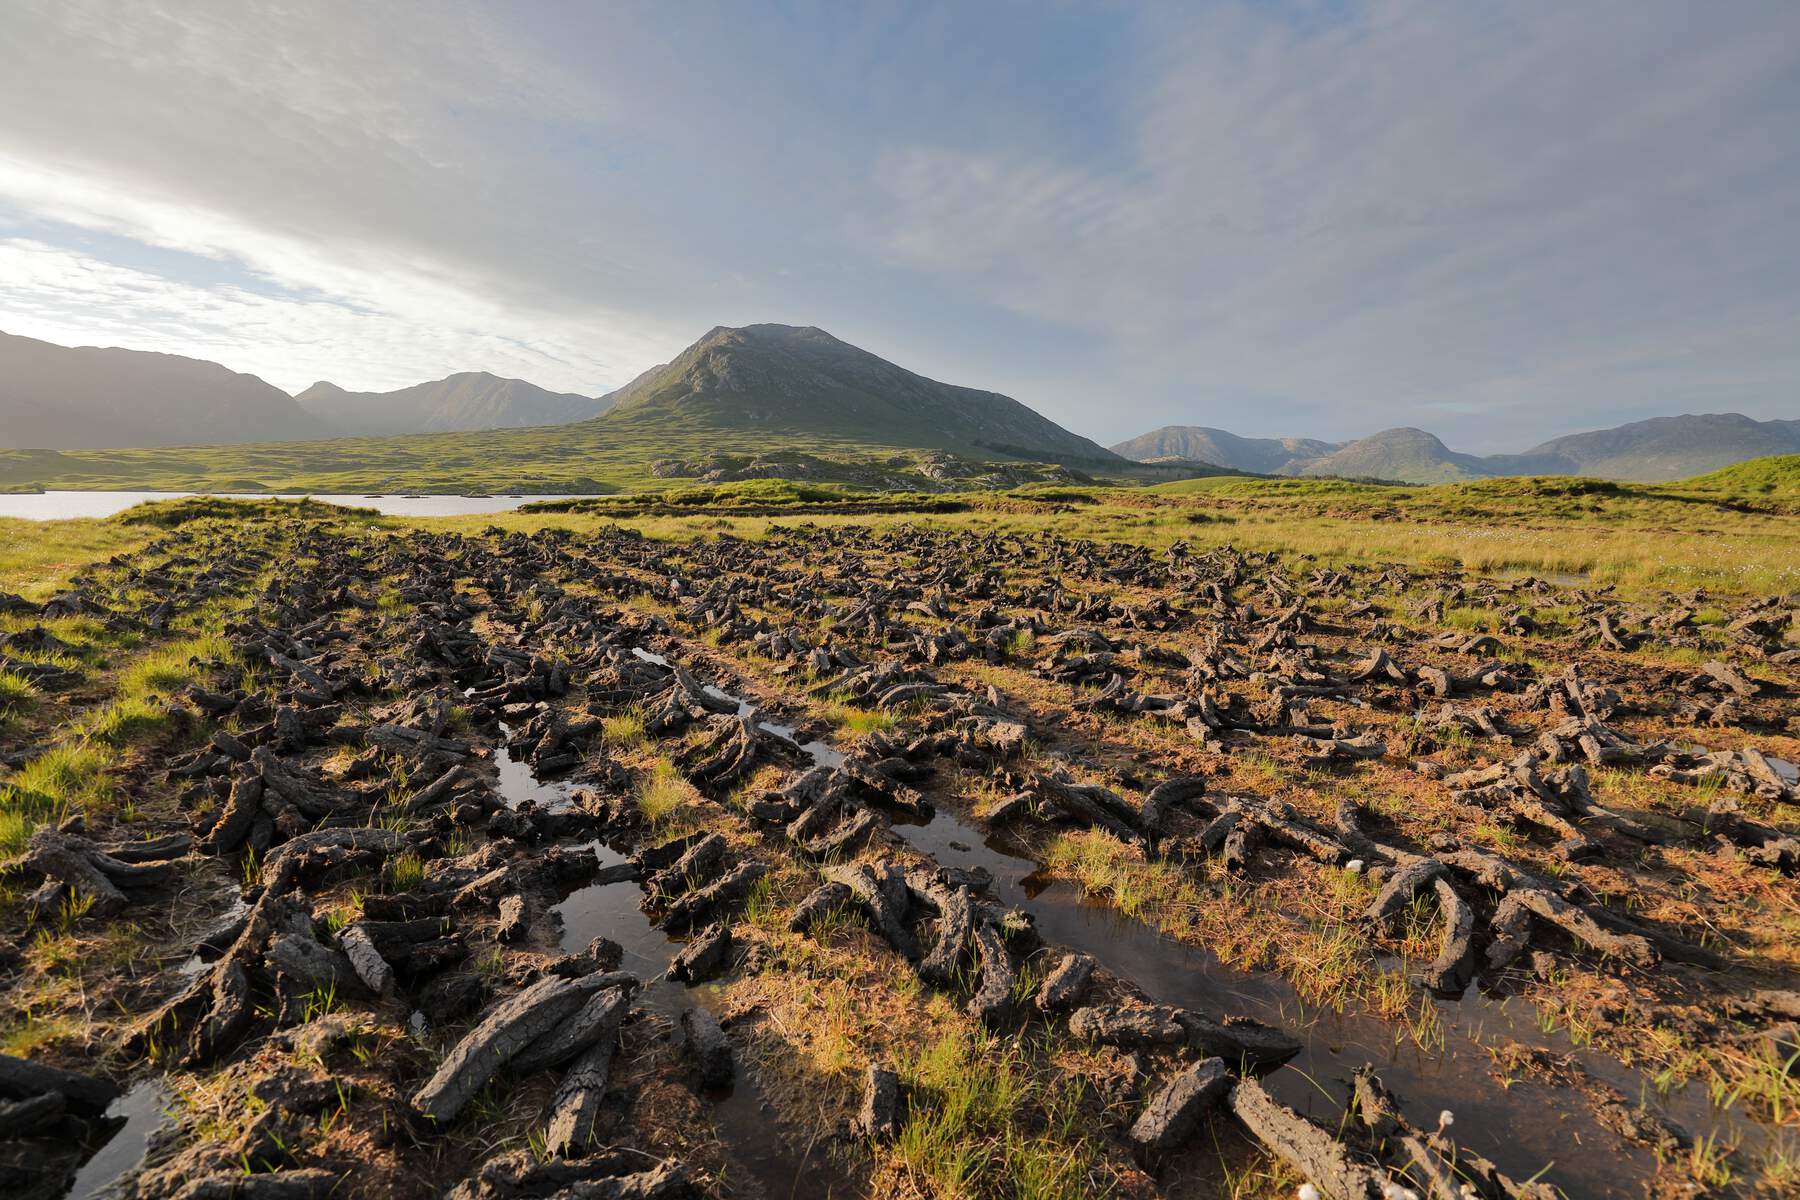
344, 165
1568, 214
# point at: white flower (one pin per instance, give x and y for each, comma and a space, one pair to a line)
1446, 1119
1354, 866
1308, 1192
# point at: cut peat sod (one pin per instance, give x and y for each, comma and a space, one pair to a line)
880, 859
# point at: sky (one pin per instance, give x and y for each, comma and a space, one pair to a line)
1500, 221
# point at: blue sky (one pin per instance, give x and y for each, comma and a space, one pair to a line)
1498, 221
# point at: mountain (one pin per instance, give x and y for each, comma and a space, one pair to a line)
1406, 454
464, 402
62, 397
802, 381
1661, 448
1265, 456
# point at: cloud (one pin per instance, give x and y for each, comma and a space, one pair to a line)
60, 295
1420, 209
340, 166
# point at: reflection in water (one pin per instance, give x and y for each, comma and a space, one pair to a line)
144, 1109
1525, 1127
612, 910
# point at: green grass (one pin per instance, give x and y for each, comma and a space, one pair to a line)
15, 692
1640, 537
131, 719
37, 558
74, 774
404, 873
981, 1125
661, 792
1777, 475
167, 670
624, 731
587, 458
852, 719
1729, 532
46, 789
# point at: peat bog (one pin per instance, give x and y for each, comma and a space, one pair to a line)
952, 853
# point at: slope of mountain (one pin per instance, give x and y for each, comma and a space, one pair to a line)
1406, 454
62, 397
763, 379
1200, 443
464, 402
1661, 448
1777, 475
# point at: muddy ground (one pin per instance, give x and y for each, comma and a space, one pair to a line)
885, 861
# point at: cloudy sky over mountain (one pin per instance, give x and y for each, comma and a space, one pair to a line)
1500, 221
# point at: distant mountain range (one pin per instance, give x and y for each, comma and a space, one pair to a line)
1659, 448
802, 381
62, 398
57, 398
464, 402
738, 388
762, 386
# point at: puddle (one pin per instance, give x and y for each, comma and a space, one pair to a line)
1528, 1128
144, 1109
517, 784
611, 910
740, 1114
1525, 1128
745, 1120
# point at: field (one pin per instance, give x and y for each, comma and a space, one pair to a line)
1208, 839
588, 458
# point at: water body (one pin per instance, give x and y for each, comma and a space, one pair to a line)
144, 1109
740, 1113
62, 506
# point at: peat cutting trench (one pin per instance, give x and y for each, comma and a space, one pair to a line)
904, 862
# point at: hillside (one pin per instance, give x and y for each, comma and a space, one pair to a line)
1405, 454
466, 401
1777, 475
782, 379
1661, 448
1199, 443
61, 397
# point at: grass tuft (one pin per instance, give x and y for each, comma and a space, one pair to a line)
661, 792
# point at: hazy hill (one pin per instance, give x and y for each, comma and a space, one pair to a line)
1202, 444
1411, 455
1660, 448
62, 397
1657, 449
466, 401
784, 379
